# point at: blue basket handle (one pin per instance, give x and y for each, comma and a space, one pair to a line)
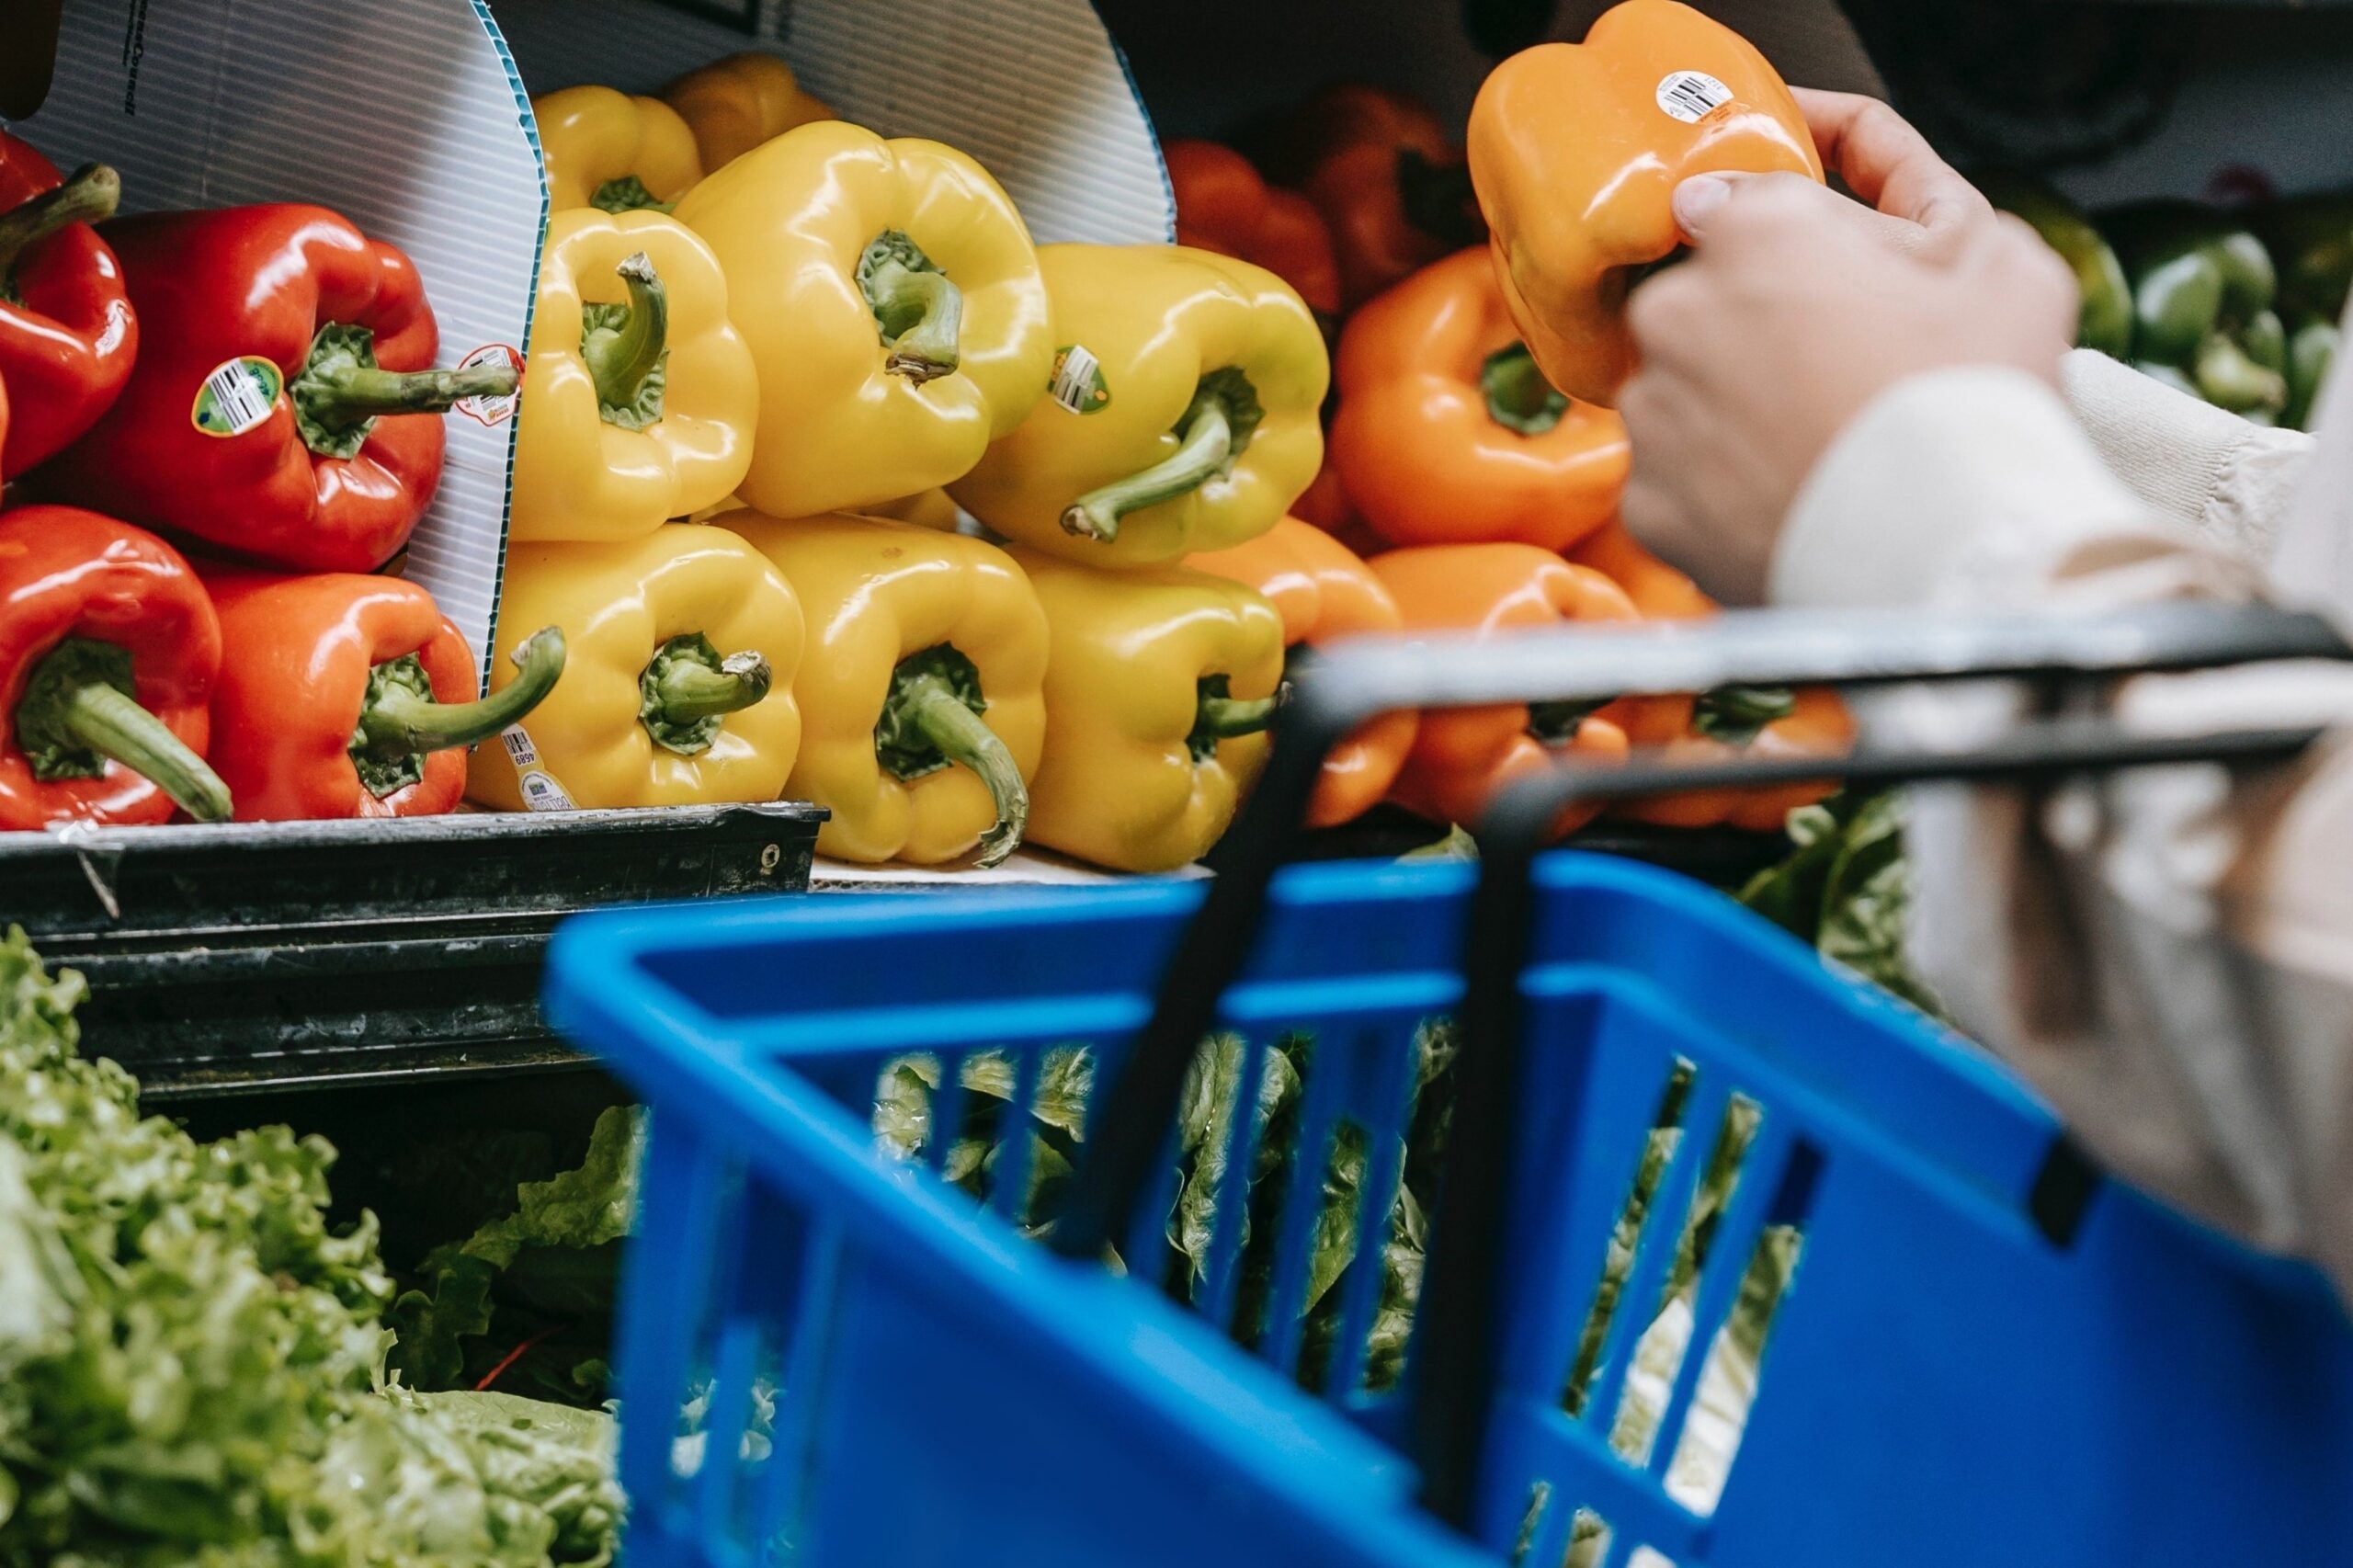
1453, 1365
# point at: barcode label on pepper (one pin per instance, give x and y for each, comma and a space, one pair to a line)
538, 787
1077, 382
1692, 95
238, 395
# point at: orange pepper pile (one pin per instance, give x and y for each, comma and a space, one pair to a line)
1472, 459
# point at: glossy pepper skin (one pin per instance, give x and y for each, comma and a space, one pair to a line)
608, 150
109, 649
1224, 204
1576, 150
2203, 292
1464, 757
893, 306
2105, 321
1324, 592
1760, 721
346, 695
335, 338
1160, 687
678, 690
642, 395
733, 105
1447, 434
922, 692
1198, 428
1389, 179
68, 336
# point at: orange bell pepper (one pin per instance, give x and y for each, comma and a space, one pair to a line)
1576, 150
1225, 205
1447, 433
1464, 757
1816, 722
1325, 504
1390, 181
1323, 591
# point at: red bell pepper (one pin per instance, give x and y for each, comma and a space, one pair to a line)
283, 410
67, 334
108, 648
351, 695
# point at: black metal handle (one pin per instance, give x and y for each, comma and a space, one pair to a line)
1360, 680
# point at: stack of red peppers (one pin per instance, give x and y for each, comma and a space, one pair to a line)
256, 384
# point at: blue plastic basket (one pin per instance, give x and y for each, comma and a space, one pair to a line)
1964, 1370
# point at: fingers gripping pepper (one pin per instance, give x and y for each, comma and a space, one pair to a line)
679, 688
1323, 592
68, 336
641, 396
1576, 150
281, 408
1448, 433
1464, 757
109, 649
1186, 413
2203, 288
922, 696
1160, 685
345, 694
1225, 205
733, 105
608, 150
894, 307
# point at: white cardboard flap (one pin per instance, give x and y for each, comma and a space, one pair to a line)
1035, 89
403, 115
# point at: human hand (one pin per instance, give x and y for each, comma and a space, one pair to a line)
1796, 309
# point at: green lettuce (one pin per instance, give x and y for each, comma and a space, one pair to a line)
192, 1357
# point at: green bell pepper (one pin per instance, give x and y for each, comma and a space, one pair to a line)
2203, 291
2106, 322
2312, 240
2311, 349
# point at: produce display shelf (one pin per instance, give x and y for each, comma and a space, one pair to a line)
281, 955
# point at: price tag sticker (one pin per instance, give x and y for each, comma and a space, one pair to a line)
238, 395
1077, 382
1692, 95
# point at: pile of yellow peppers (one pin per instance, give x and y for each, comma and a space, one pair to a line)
775, 358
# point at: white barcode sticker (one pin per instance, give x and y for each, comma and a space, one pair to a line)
540, 790
238, 395
490, 410
1692, 95
1077, 382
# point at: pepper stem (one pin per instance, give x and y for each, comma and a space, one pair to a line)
687, 689
88, 196
1215, 432
626, 193
339, 390
627, 347
1518, 397
79, 712
398, 720
1219, 717
918, 309
1738, 714
932, 718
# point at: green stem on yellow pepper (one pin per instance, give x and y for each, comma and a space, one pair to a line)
918, 309
1213, 434
932, 719
686, 690
627, 347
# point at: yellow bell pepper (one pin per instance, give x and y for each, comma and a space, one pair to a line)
922, 691
1185, 413
934, 509
1160, 688
608, 150
677, 690
640, 399
893, 305
733, 105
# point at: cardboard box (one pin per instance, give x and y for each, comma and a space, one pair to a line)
410, 117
